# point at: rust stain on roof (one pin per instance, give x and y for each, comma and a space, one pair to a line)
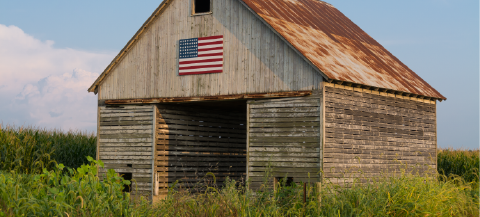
337, 46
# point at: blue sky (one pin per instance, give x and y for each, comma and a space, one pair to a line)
51, 51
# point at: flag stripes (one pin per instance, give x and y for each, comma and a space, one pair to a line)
201, 55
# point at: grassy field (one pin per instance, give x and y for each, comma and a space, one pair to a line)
33, 184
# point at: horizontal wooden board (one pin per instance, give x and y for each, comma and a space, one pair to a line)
283, 164
124, 161
284, 139
312, 170
286, 125
121, 157
125, 144
125, 153
200, 133
201, 139
126, 149
132, 114
109, 132
281, 174
284, 159
140, 127
283, 154
284, 120
284, 110
285, 134
284, 105
131, 170
125, 136
285, 144
285, 115
283, 149
125, 123
141, 140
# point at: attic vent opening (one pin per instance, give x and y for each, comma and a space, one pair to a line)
201, 6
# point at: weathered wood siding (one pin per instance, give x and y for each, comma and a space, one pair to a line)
126, 143
255, 59
192, 142
285, 134
375, 134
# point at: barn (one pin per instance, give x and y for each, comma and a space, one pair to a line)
232, 87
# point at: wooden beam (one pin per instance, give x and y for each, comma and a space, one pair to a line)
208, 98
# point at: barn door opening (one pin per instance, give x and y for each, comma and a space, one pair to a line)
194, 139
284, 137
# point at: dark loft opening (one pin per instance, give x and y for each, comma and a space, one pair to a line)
127, 176
202, 6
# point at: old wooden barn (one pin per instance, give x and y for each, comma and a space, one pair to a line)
230, 86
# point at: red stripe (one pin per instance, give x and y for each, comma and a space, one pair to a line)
197, 73
210, 54
201, 61
210, 37
201, 66
210, 43
213, 48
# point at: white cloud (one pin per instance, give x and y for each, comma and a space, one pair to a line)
45, 86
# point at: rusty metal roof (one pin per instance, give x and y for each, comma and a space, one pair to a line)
337, 46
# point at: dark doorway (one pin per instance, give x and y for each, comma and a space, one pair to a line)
198, 139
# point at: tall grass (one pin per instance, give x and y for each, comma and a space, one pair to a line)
29, 150
33, 184
80, 193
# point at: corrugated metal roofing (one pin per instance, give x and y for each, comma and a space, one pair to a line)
337, 46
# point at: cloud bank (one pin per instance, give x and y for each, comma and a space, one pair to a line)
45, 86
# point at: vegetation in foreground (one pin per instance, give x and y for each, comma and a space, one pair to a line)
33, 184
80, 193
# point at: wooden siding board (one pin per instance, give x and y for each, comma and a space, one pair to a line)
375, 134
125, 141
291, 140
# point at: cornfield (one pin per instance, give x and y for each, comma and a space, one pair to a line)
30, 150
464, 163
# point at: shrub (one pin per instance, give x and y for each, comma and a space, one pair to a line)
58, 193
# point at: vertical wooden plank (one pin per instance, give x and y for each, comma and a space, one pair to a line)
248, 138
97, 157
322, 128
154, 151
436, 139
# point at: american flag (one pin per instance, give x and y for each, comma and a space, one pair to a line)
201, 55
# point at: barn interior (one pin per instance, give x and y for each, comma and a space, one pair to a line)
198, 139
